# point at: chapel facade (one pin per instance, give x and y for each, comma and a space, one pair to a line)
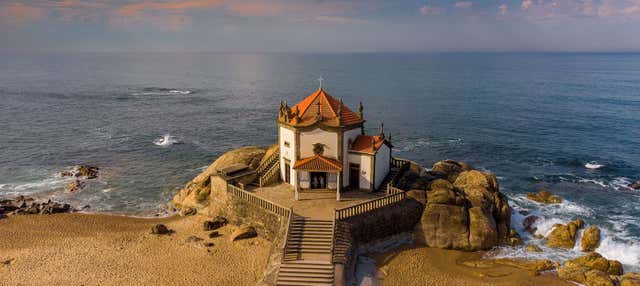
323, 147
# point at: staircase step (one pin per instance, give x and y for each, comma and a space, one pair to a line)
307, 270
306, 279
303, 283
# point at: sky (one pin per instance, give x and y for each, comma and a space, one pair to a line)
320, 25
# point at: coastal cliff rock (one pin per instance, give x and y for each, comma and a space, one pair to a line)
591, 269
196, 193
564, 236
466, 210
590, 238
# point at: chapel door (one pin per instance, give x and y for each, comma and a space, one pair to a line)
287, 173
354, 176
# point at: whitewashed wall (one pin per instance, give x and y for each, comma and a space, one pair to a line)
329, 139
348, 136
366, 175
287, 135
382, 164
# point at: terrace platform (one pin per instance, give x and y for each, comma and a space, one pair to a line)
312, 204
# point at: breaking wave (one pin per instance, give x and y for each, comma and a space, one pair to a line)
161, 91
165, 140
593, 165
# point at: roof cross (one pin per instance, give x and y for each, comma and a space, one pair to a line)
320, 80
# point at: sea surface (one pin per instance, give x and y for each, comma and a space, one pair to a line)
535, 120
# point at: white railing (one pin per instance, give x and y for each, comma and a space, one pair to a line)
258, 201
369, 205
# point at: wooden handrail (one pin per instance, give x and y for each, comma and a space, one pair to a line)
258, 201
369, 205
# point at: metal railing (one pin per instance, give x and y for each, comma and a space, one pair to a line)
258, 201
369, 205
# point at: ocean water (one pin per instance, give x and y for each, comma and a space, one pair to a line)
153, 121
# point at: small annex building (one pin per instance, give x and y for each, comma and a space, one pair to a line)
323, 147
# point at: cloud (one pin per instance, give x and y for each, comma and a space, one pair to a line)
181, 6
526, 4
504, 9
16, 14
463, 4
429, 10
340, 20
634, 9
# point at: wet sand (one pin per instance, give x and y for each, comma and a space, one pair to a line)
430, 266
83, 249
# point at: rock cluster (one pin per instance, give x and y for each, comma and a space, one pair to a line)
635, 185
80, 172
160, 229
24, 205
214, 224
544, 197
465, 210
590, 238
591, 269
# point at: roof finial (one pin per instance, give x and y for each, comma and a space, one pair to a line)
320, 80
360, 108
382, 130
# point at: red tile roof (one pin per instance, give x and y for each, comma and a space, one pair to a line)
329, 107
318, 163
363, 144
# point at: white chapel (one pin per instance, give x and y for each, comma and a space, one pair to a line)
323, 147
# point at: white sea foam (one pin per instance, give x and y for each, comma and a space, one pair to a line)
165, 140
175, 91
28, 188
593, 165
593, 181
625, 251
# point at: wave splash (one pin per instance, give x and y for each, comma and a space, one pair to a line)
162, 91
593, 165
165, 140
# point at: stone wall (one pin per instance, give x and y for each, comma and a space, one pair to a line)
368, 227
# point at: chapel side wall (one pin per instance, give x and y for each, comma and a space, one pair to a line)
289, 153
382, 164
365, 168
329, 139
348, 136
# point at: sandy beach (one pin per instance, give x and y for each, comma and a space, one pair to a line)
84, 249
431, 266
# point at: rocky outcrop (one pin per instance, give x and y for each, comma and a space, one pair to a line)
466, 211
591, 269
544, 197
196, 193
630, 279
564, 236
243, 232
532, 248
214, 224
635, 185
24, 205
590, 238
535, 266
75, 186
81, 171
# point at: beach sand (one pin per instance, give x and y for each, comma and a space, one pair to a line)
422, 266
84, 249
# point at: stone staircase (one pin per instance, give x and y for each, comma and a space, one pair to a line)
307, 253
393, 172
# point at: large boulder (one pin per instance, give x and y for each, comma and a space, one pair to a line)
564, 235
450, 168
544, 197
466, 211
196, 193
590, 238
630, 279
591, 269
244, 232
